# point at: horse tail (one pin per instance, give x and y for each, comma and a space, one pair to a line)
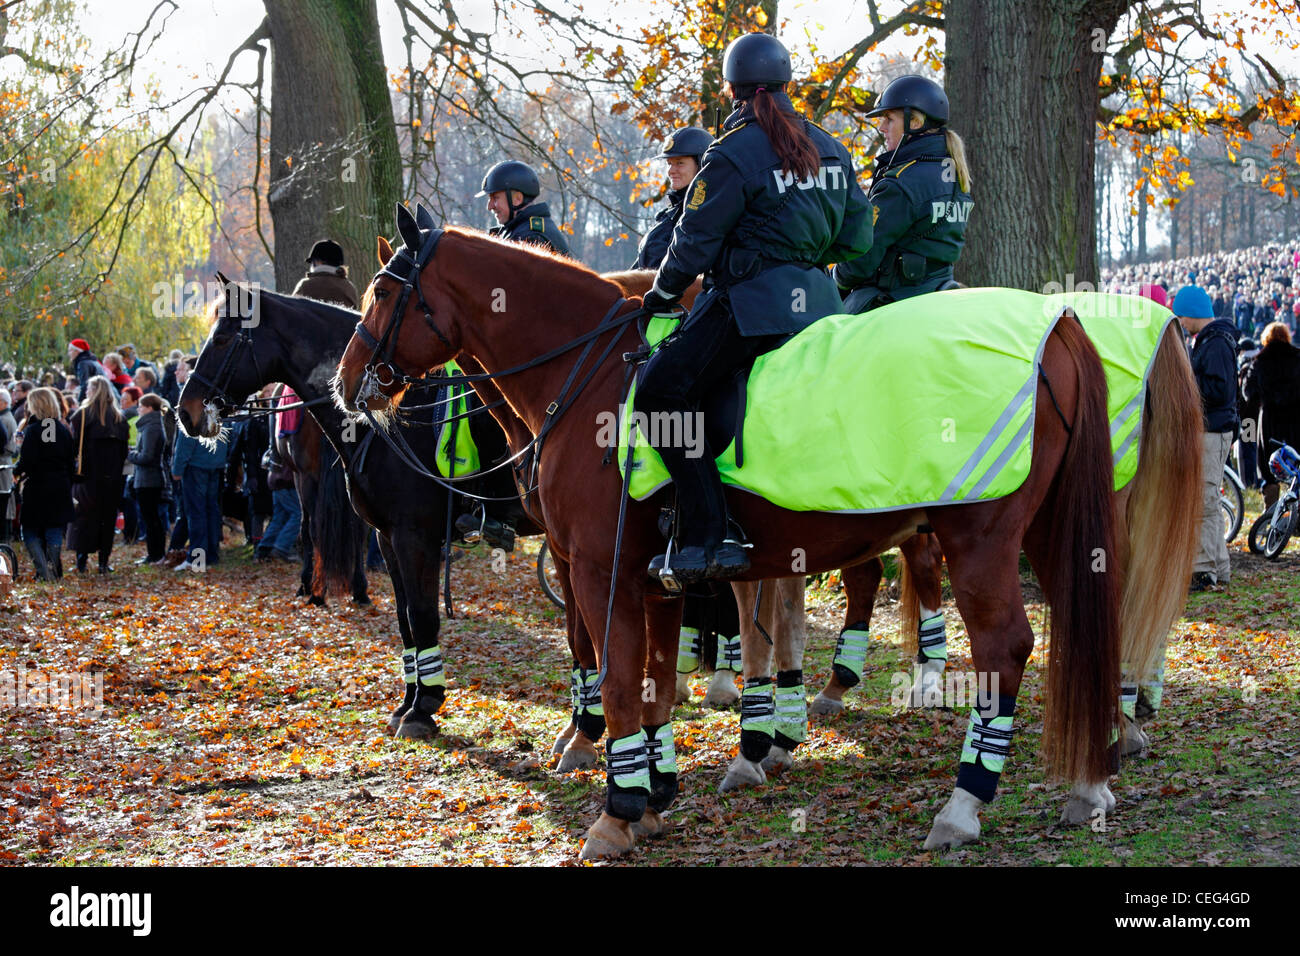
1082, 708
909, 608
337, 533
1162, 520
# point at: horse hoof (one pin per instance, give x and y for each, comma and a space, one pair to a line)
608, 838
395, 721
1086, 800
1134, 741
415, 726
823, 706
742, 773
362, 601
683, 689
650, 825
579, 754
722, 690
778, 760
317, 600
957, 823
563, 739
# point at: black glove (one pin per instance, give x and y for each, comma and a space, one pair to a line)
657, 303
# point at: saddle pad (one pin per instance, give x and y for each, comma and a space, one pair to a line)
928, 401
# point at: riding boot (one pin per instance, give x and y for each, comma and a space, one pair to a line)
36, 550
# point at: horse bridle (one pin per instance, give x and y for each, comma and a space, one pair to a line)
404, 267
217, 385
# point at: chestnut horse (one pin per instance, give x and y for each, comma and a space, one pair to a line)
525, 313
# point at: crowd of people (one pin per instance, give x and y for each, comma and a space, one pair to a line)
93, 451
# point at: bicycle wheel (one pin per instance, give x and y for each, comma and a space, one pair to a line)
547, 576
11, 560
1257, 530
1280, 528
1233, 503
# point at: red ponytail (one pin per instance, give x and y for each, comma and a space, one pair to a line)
787, 135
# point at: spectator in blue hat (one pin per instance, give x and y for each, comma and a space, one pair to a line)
1214, 362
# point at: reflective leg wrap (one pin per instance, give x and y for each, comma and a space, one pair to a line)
589, 714
408, 676
428, 666
575, 688
627, 776
851, 654
984, 751
1128, 698
1151, 693
662, 759
728, 658
688, 650
757, 718
931, 640
791, 710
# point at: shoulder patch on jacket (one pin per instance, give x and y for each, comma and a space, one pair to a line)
537, 224
697, 194
875, 215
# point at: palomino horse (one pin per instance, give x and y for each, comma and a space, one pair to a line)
497, 303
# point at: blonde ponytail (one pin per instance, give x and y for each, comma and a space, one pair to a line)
957, 150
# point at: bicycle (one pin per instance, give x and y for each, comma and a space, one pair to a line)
1232, 501
1273, 529
547, 576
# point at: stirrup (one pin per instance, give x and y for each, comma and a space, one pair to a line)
666, 576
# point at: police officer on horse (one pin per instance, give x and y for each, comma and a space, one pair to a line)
511, 188
921, 194
774, 201
683, 149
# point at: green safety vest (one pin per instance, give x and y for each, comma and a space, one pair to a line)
456, 454
925, 402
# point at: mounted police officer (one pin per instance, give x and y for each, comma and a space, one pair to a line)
921, 194
683, 149
774, 201
511, 188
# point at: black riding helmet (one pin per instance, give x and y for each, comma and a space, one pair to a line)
687, 141
918, 93
511, 175
756, 59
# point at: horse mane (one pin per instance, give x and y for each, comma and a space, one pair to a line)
571, 268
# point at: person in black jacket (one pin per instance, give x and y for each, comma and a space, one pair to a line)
683, 149
1273, 388
1214, 362
511, 188
45, 464
775, 200
102, 438
921, 196
151, 475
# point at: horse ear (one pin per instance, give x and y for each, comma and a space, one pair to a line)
384, 251
407, 227
423, 218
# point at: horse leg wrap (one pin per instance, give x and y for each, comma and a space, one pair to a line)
791, 710
851, 654
728, 658
627, 775
931, 639
1151, 693
688, 650
408, 676
662, 759
984, 751
589, 714
757, 718
1128, 698
428, 666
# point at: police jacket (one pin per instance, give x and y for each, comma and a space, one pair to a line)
533, 224
1214, 363
762, 236
654, 244
920, 222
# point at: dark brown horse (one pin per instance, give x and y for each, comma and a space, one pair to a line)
498, 303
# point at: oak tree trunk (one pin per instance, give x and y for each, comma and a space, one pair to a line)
335, 166
1022, 80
